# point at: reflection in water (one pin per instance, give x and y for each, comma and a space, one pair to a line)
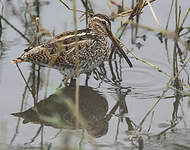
130, 85
55, 111
176, 140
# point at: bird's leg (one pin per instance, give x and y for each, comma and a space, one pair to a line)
87, 77
67, 77
73, 82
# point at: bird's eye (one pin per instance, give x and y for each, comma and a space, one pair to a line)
103, 22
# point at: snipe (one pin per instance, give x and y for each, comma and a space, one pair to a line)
60, 52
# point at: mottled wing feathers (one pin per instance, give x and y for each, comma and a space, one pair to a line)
61, 51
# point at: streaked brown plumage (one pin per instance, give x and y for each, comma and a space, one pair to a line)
60, 51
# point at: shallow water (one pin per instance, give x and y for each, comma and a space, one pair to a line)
121, 96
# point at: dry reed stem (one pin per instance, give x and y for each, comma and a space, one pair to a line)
147, 114
81, 119
162, 95
166, 28
184, 19
173, 78
37, 40
150, 125
167, 33
73, 8
180, 91
158, 69
76, 112
153, 13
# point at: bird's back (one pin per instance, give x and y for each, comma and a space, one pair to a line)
60, 52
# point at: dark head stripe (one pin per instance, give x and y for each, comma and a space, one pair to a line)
103, 17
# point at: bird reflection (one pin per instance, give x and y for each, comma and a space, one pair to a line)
54, 111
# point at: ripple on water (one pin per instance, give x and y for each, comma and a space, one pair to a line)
145, 81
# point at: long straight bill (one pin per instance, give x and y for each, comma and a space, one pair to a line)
119, 48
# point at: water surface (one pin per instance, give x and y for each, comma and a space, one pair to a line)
116, 99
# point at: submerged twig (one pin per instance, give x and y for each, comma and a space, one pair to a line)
161, 133
21, 109
36, 135
25, 80
12, 26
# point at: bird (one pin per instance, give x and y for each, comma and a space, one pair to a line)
90, 46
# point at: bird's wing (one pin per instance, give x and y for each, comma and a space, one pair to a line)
64, 49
